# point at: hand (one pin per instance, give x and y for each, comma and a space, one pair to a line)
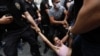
65, 25
6, 19
66, 22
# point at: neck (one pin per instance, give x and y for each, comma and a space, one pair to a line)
56, 8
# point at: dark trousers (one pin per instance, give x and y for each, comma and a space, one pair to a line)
45, 31
12, 38
2, 31
76, 46
90, 49
82, 47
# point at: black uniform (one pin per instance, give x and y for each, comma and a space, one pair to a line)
3, 11
32, 9
18, 29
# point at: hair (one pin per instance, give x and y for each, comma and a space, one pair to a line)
52, 38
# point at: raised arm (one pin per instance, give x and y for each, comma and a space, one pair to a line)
30, 19
65, 18
88, 17
53, 21
47, 41
64, 39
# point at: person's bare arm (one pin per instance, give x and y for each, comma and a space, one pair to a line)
88, 17
47, 41
53, 21
6, 19
64, 39
66, 13
31, 20
65, 18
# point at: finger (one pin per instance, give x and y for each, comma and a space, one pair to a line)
9, 16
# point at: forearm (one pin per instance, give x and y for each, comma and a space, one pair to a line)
65, 18
47, 41
57, 22
30, 19
66, 14
65, 38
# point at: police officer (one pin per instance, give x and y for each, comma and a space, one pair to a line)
4, 19
19, 29
34, 12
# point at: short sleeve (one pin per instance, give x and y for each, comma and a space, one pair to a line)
35, 7
50, 13
63, 8
23, 8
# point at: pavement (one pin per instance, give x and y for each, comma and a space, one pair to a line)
26, 51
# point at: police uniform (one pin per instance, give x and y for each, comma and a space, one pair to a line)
18, 29
32, 9
3, 11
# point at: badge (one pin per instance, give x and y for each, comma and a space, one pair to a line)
17, 5
33, 5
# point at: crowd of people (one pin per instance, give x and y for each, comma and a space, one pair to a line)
69, 27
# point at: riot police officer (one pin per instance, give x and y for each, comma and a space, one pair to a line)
18, 28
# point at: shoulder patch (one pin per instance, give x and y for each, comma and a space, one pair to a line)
17, 5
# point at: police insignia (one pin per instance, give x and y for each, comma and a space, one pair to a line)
17, 5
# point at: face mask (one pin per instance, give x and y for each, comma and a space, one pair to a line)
57, 5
